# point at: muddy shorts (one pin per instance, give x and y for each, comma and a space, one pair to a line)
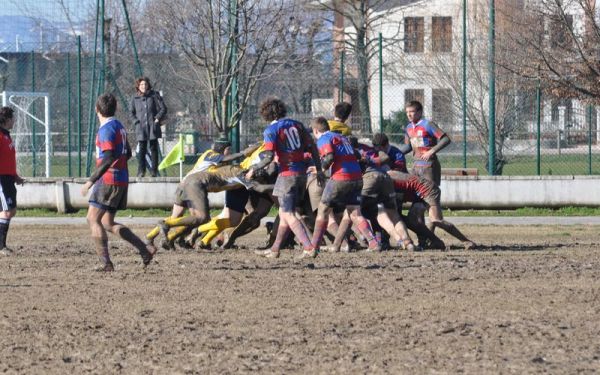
340, 194
8, 193
432, 171
379, 187
236, 199
109, 197
289, 191
433, 198
314, 192
195, 195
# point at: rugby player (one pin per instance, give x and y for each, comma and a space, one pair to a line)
342, 191
288, 140
418, 189
425, 139
109, 184
8, 177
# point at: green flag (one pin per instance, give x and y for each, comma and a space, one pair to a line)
174, 156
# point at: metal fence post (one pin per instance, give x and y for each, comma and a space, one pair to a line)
492, 90
33, 127
589, 138
69, 114
380, 83
538, 107
341, 93
79, 105
464, 83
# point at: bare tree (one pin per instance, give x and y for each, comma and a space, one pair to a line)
223, 46
361, 17
558, 42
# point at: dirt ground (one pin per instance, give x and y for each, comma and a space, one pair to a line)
529, 302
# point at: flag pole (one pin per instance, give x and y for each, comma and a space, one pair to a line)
181, 157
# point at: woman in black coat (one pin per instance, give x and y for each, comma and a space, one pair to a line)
147, 110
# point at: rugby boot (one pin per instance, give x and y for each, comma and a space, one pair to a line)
267, 253
308, 253
148, 254
408, 245
374, 247
106, 267
6, 252
437, 245
469, 245
201, 247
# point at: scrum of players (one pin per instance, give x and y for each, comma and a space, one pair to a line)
328, 186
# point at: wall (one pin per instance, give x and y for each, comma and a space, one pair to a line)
457, 192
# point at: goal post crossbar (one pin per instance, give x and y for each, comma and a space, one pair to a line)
7, 97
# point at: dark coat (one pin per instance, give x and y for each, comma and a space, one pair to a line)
145, 110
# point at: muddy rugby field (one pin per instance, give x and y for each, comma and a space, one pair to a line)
529, 302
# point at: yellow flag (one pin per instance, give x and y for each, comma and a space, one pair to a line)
174, 156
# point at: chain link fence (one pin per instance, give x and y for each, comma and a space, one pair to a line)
423, 63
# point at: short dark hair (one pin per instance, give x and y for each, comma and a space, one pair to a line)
380, 139
6, 113
342, 110
414, 104
106, 105
320, 124
140, 80
353, 141
272, 109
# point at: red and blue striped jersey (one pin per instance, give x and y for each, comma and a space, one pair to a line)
412, 186
397, 159
423, 136
345, 166
113, 137
8, 154
288, 139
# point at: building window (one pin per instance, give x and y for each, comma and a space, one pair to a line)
441, 34
414, 34
560, 32
414, 94
441, 106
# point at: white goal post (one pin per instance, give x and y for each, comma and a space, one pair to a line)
8, 98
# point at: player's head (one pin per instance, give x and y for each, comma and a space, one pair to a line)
272, 109
106, 105
6, 118
342, 111
143, 85
222, 146
319, 126
414, 110
380, 142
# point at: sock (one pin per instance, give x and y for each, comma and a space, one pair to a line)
215, 224
172, 236
127, 235
186, 220
283, 231
365, 229
300, 233
153, 233
102, 249
214, 228
4, 224
320, 228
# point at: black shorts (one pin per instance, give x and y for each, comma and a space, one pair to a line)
379, 187
109, 197
289, 191
338, 194
236, 199
8, 193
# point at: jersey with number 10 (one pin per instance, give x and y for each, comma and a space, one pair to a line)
345, 166
288, 139
113, 137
